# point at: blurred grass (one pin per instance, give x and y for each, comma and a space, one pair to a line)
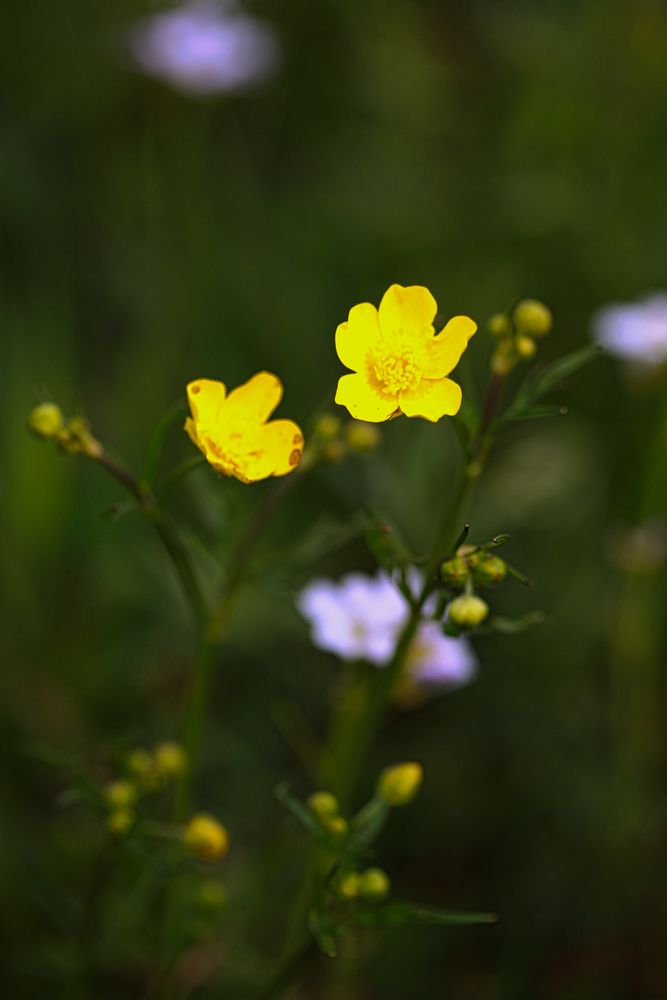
488, 151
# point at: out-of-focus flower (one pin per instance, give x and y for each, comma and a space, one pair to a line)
399, 365
437, 660
357, 618
120, 794
360, 618
205, 837
232, 431
205, 47
46, 420
635, 331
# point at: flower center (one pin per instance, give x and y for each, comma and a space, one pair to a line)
396, 366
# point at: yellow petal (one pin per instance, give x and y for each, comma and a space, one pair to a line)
206, 398
445, 350
357, 336
411, 308
256, 399
282, 441
363, 401
432, 399
191, 431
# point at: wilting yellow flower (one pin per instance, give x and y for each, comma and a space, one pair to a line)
232, 431
400, 366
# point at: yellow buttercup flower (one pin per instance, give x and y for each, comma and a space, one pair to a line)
232, 431
399, 364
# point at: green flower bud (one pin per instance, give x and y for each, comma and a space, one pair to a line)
337, 826
399, 784
499, 325
119, 821
503, 360
323, 804
327, 426
454, 572
489, 571
468, 611
348, 887
361, 436
212, 895
533, 318
170, 759
525, 347
373, 884
46, 420
333, 451
120, 794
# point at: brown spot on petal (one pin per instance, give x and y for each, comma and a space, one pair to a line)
297, 440
195, 389
295, 457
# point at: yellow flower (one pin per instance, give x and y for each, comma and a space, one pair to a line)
400, 366
232, 431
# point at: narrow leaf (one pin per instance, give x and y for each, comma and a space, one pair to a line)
400, 914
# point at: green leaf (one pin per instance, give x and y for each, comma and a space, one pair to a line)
400, 914
324, 931
514, 626
540, 381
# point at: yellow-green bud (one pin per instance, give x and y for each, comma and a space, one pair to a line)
489, 571
46, 420
454, 572
502, 362
212, 895
323, 804
336, 825
525, 346
79, 438
327, 426
468, 610
333, 451
533, 318
348, 887
399, 784
362, 437
499, 325
205, 837
120, 794
119, 821
373, 884
170, 759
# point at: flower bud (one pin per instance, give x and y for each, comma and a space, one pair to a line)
399, 784
46, 420
327, 426
348, 887
333, 451
468, 610
525, 347
337, 826
205, 837
212, 895
119, 821
80, 440
454, 572
362, 437
323, 804
373, 883
499, 325
489, 571
533, 318
120, 794
502, 362
170, 759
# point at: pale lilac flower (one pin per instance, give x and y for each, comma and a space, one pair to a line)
204, 47
436, 660
360, 618
635, 331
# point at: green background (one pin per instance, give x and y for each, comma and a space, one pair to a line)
489, 151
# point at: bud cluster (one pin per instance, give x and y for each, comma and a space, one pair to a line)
324, 806
73, 436
472, 567
145, 772
332, 439
516, 333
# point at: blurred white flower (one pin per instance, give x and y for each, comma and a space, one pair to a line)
634, 331
360, 618
204, 47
